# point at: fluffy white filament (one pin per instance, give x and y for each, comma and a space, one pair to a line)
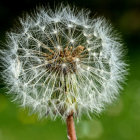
92, 83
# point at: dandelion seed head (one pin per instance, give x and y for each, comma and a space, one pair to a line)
63, 61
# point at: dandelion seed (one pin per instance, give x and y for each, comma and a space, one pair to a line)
94, 54
88, 68
104, 44
70, 25
38, 44
59, 47
77, 59
86, 26
64, 65
55, 31
56, 20
72, 40
85, 34
28, 36
42, 28
89, 49
89, 42
101, 53
78, 66
95, 34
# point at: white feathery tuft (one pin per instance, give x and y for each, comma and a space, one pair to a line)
63, 61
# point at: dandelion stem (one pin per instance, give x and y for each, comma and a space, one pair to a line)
71, 128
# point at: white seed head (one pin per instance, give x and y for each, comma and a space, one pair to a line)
83, 76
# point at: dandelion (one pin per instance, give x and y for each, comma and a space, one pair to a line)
63, 64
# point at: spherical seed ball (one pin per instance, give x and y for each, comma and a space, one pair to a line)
62, 62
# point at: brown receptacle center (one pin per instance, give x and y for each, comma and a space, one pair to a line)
64, 60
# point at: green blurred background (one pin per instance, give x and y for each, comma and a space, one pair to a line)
120, 121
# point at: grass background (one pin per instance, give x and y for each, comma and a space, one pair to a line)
120, 121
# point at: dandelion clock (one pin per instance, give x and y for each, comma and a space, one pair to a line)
64, 64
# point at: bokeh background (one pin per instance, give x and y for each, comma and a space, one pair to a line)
120, 121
